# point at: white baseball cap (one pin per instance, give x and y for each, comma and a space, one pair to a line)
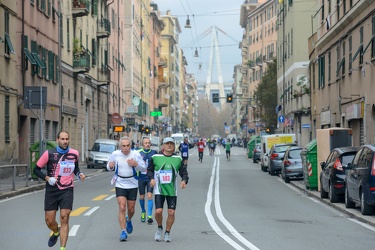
168, 139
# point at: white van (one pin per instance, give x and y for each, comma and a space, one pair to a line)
266, 143
99, 153
178, 139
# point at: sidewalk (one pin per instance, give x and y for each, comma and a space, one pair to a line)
6, 184
353, 213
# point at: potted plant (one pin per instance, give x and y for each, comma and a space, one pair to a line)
77, 48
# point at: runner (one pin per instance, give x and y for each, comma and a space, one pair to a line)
144, 181
125, 164
227, 149
200, 149
162, 172
62, 165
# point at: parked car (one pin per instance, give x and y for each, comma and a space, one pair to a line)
277, 152
360, 180
332, 177
256, 153
100, 152
292, 164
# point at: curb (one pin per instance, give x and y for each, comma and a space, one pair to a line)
327, 202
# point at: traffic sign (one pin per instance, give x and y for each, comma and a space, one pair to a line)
281, 118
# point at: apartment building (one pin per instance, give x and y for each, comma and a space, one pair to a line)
342, 53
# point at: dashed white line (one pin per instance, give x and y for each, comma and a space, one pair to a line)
73, 230
91, 211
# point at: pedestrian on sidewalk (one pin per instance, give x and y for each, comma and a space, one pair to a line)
62, 166
162, 172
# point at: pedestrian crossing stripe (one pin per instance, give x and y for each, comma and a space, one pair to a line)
100, 197
79, 211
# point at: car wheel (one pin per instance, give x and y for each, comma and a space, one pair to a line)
333, 198
348, 202
365, 208
287, 179
323, 194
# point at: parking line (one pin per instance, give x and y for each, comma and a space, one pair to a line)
100, 197
79, 211
92, 210
73, 231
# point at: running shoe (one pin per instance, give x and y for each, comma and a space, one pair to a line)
123, 235
143, 217
129, 226
167, 237
53, 238
150, 220
158, 234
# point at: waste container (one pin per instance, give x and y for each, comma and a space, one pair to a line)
310, 165
34, 154
251, 145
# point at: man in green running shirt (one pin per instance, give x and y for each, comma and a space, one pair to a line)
227, 149
162, 171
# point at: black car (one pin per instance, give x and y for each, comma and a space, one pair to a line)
332, 177
360, 180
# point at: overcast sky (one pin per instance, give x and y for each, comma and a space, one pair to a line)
204, 14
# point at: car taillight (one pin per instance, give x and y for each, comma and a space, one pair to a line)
287, 162
338, 165
273, 156
373, 166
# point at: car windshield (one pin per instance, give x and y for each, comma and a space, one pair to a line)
280, 149
295, 154
105, 148
345, 159
154, 141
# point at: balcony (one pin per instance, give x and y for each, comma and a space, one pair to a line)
163, 103
81, 63
103, 29
162, 82
104, 75
162, 62
81, 8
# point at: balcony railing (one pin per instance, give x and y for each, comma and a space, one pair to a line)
104, 75
103, 28
81, 62
163, 62
162, 82
81, 8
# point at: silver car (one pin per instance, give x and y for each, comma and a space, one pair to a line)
100, 152
275, 157
292, 164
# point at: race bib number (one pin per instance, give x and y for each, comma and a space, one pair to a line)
200, 146
165, 176
66, 168
184, 154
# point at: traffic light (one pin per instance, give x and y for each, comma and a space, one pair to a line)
141, 128
147, 130
229, 98
215, 98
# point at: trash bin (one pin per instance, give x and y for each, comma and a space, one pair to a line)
34, 154
310, 165
251, 145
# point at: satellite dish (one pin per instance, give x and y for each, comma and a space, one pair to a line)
136, 101
302, 80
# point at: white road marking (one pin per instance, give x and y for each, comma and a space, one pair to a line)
211, 220
110, 197
362, 224
91, 211
73, 230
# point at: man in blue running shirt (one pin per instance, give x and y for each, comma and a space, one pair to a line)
184, 149
144, 182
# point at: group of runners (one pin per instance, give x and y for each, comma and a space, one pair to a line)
145, 170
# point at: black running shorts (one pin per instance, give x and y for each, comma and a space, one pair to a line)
171, 201
130, 194
63, 199
143, 186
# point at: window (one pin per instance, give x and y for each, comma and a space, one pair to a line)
46, 130
321, 73
32, 130
329, 67
7, 120
350, 54
8, 48
68, 33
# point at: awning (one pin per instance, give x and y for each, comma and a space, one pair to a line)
38, 61
29, 56
9, 43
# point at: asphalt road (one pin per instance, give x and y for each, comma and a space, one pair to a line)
226, 205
